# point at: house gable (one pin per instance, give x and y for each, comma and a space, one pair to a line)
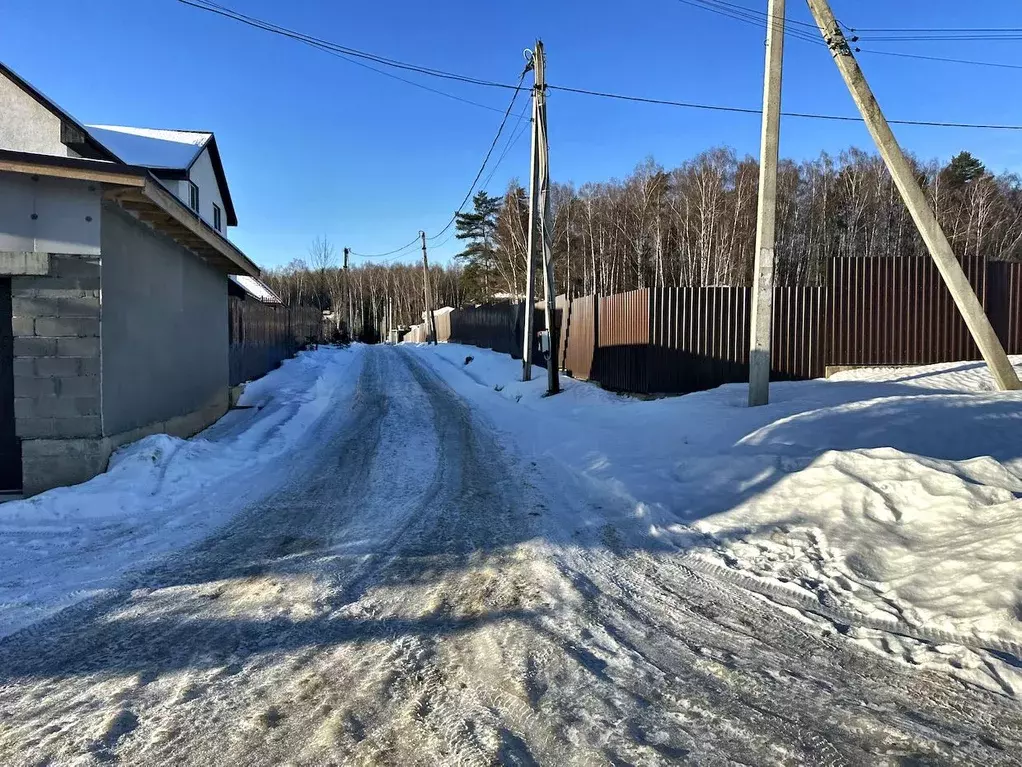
30, 122
177, 157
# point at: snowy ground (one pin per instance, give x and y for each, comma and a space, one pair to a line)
162, 493
436, 572
883, 499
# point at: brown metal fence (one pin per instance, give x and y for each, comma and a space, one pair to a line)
875, 311
896, 310
580, 336
263, 335
1004, 302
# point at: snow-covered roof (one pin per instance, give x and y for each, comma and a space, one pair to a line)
151, 147
255, 288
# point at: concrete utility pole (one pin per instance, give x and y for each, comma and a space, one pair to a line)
347, 284
766, 212
530, 267
546, 220
925, 220
430, 319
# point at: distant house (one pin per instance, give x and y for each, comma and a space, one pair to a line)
249, 288
114, 281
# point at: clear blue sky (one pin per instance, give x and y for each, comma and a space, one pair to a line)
314, 145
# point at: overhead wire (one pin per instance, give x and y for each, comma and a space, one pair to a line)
489, 153
388, 253
222, 10
759, 18
901, 54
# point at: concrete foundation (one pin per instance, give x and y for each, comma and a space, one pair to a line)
49, 463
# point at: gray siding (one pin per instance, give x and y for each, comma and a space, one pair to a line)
164, 327
25, 124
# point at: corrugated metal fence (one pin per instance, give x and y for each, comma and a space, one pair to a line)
897, 311
874, 311
263, 335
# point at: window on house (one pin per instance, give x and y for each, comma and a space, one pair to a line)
217, 218
193, 196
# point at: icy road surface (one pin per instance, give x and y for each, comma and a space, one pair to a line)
407, 597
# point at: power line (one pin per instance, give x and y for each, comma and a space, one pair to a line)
221, 10
207, 5
900, 54
482, 168
515, 135
939, 37
964, 30
489, 152
755, 111
750, 16
389, 252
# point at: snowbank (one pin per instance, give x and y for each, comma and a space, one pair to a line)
162, 493
883, 498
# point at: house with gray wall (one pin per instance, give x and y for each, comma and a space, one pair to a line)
114, 267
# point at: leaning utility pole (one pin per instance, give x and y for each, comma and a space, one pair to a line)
530, 259
923, 216
347, 284
763, 272
430, 320
546, 226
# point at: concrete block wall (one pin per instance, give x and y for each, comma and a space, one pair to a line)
57, 387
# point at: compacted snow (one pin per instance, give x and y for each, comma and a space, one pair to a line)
162, 493
405, 559
883, 498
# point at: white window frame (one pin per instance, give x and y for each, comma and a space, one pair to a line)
218, 218
193, 196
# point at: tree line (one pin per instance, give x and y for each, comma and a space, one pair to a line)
367, 290
691, 225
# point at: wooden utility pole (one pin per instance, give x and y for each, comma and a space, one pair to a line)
766, 211
925, 219
347, 284
530, 259
546, 220
428, 293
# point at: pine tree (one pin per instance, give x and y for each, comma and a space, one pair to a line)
963, 168
478, 228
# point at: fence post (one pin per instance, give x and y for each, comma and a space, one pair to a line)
650, 305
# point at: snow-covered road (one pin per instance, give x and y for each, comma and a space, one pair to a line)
411, 593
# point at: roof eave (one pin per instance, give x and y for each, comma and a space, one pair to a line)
138, 190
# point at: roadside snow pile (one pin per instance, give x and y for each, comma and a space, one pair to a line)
162, 493
883, 498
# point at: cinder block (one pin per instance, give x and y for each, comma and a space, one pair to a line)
57, 283
77, 267
22, 263
23, 326
79, 386
35, 347
48, 463
73, 327
82, 406
32, 386
24, 407
77, 347
29, 428
57, 367
89, 366
81, 426
35, 306
82, 306
56, 407
24, 367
